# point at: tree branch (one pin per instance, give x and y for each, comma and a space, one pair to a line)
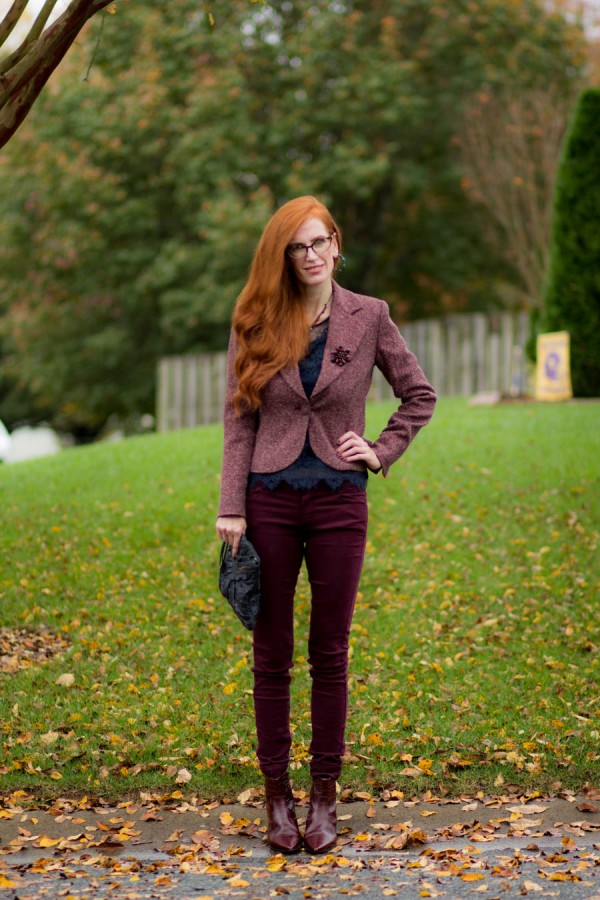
11, 18
34, 33
21, 85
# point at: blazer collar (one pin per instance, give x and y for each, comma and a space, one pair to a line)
346, 330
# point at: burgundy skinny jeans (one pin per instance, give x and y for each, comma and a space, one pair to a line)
328, 529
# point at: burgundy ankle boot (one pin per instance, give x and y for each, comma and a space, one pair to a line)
283, 834
320, 832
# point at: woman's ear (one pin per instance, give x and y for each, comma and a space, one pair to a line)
338, 260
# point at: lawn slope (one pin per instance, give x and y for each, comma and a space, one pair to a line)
474, 645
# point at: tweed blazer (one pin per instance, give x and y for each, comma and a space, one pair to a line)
361, 335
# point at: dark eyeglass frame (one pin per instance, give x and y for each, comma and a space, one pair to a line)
300, 251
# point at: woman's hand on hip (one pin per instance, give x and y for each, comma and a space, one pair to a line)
231, 529
353, 448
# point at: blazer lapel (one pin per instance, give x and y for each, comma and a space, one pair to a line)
291, 375
346, 330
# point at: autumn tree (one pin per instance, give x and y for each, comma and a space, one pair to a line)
510, 145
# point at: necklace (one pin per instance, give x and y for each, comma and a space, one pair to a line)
320, 316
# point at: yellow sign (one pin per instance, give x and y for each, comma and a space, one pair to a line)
553, 370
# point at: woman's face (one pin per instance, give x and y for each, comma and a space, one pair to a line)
313, 267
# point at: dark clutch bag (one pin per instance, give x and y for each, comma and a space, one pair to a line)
239, 581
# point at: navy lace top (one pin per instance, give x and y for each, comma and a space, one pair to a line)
308, 470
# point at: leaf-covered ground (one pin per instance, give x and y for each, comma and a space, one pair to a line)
168, 846
474, 645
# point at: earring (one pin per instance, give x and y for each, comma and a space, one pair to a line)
340, 263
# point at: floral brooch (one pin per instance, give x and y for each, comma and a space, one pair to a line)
340, 356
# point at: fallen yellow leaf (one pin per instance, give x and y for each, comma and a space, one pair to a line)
213, 870
45, 841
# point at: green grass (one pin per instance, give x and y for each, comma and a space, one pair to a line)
474, 645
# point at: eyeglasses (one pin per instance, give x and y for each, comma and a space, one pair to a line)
319, 245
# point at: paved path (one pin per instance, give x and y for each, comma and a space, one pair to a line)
181, 850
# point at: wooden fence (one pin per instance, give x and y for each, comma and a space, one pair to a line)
460, 354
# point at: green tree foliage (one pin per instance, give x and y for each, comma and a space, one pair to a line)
572, 297
130, 204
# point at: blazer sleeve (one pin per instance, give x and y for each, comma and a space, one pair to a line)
401, 369
238, 445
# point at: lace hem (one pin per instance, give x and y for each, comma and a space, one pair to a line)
306, 481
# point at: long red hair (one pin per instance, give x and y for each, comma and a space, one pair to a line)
269, 318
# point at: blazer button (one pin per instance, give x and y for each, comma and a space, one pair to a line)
297, 407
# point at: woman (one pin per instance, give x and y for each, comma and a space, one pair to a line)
294, 474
